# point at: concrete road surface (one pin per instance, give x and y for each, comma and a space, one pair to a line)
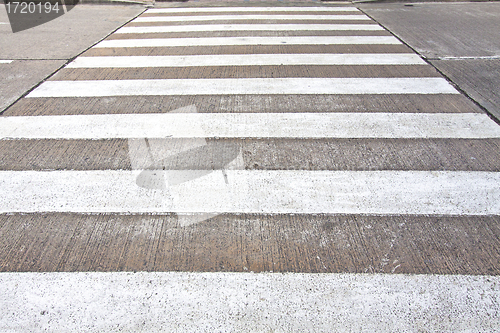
28, 57
460, 39
251, 167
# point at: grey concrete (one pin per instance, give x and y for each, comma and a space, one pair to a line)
304, 243
307, 243
459, 39
40, 51
479, 78
21, 75
267, 154
65, 37
438, 30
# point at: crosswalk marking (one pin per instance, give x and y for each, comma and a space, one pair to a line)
6, 61
331, 154
255, 191
315, 86
249, 27
252, 125
246, 60
214, 41
250, 9
211, 302
248, 17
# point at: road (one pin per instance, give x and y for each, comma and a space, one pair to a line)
212, 149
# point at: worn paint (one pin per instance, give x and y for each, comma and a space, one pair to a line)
252, 125
280, 86
216, 41
255, 191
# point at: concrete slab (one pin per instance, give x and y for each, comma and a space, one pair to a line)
267, 154
30, 56
479, 78
216, 72
65, 37
436, 103
438, 30
20, 76
320, 243
459, 39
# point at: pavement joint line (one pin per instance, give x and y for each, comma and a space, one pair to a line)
26, 93
463, 92
466, 58
428, 61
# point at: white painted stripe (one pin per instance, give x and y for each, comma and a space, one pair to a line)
249, 27
245, 86
247, 60
247, 302
248, 17
251, 125
6, 61
214, 41
251, 9
255, 191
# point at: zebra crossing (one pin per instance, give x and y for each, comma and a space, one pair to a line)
229, 140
